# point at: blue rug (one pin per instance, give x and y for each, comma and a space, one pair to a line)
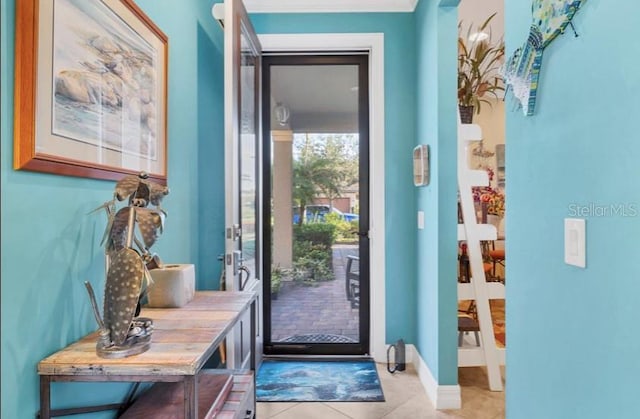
318, 381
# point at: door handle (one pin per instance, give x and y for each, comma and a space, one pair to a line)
244, 281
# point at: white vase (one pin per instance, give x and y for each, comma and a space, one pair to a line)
501, 227
493, 219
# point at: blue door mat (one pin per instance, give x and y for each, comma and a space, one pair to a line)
318, 381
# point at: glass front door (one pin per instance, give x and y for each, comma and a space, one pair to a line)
316, 204
242, 155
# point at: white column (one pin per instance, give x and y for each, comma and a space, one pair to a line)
282, 197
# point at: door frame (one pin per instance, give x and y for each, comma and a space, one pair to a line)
360, 62
373, 43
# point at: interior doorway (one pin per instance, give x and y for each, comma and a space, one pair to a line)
482, 190
316, 206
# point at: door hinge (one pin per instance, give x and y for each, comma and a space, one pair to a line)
234, 232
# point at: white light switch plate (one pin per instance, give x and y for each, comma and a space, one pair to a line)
575, 242
420, 220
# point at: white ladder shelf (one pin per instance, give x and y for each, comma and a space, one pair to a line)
478, 288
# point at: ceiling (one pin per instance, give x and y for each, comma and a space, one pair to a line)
324, 98
321, 98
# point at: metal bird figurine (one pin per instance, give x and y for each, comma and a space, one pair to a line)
128, 259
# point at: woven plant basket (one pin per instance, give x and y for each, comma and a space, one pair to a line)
466, 114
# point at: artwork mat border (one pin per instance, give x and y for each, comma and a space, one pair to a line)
29, 28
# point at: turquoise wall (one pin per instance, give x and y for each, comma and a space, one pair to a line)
572, 333
399, 92
436, 245
50, 244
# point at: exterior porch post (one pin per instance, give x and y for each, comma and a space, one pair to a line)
282, 189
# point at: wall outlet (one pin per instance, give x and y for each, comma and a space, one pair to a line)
420, 220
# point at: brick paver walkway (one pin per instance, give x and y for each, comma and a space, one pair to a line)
318, 309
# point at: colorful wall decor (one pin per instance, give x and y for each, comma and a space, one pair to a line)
522, 70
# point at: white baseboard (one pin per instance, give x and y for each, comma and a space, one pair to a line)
442, 396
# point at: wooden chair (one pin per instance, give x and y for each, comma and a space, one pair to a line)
352, 280
464, 269
468, 322
497, 257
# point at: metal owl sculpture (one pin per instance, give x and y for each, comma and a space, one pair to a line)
128, 260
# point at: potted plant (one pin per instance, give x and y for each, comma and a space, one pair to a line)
479, 61
276, 281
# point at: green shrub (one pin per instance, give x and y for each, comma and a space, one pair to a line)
312, 254
345, 230
276, 278
310, 270
309, 250
317, 233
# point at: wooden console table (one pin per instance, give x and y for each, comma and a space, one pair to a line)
183, 340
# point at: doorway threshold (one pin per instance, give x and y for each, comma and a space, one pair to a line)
337, 358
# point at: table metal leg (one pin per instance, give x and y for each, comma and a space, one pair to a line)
45, 397
252, 362
253, 330
191, 397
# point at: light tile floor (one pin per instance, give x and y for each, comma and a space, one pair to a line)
405, 398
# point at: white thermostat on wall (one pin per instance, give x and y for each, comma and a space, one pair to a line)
421, 165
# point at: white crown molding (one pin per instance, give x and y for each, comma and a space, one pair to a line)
329, 6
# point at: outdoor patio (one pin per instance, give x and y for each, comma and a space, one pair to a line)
317, 313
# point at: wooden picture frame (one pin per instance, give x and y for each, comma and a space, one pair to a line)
90, 89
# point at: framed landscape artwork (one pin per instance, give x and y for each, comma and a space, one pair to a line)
90, 89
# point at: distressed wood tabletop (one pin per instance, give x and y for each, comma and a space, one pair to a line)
183, 339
